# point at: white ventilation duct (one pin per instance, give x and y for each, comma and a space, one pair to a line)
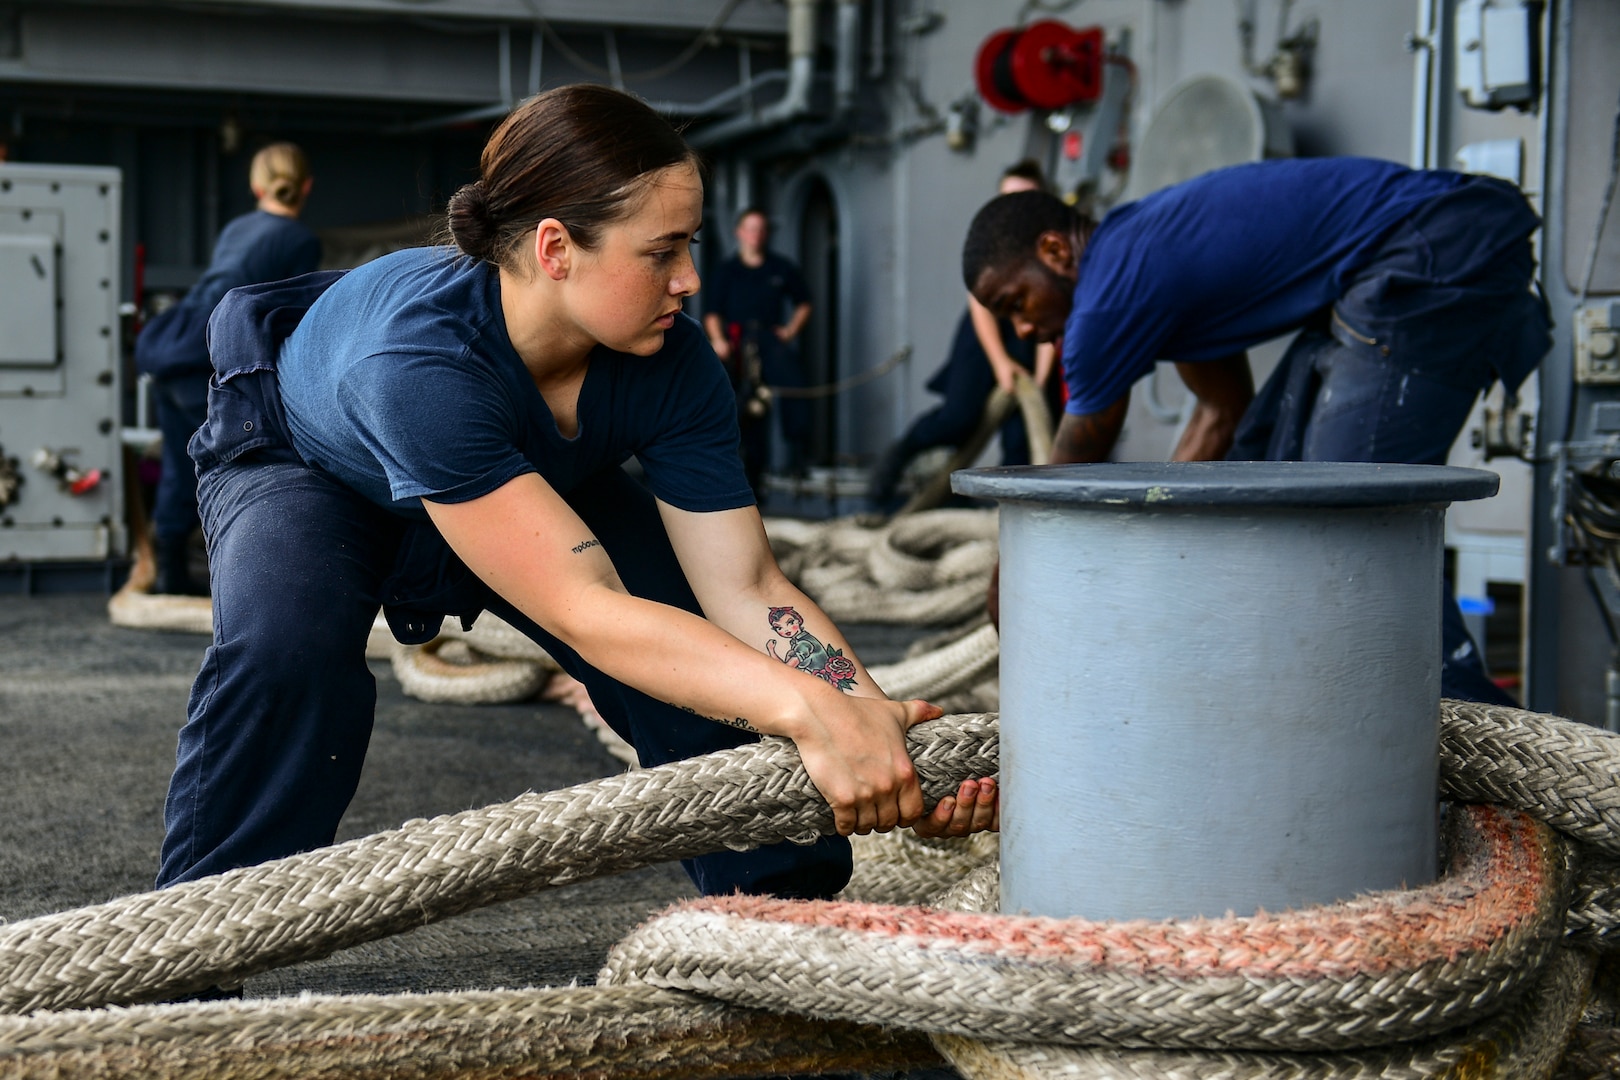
1206, 122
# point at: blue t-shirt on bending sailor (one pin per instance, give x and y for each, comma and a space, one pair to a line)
1222, 262
402, 383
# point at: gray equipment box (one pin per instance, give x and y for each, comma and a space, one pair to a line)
61, 464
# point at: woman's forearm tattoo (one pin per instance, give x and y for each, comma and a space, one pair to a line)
806, 652
735, 721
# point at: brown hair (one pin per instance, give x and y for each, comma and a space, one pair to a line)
279, 171
581, 154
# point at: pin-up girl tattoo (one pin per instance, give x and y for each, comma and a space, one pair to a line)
806, 652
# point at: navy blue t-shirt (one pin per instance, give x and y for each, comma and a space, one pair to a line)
402, 383
258, 246
763, 294
1222, 262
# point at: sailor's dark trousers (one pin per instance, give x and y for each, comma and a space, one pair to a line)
1391, 371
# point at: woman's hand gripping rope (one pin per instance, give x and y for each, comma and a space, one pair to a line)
975, 807
854, 750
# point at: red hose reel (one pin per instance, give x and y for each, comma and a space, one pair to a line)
1045, 65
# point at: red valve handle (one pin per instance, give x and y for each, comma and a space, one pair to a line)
86, 483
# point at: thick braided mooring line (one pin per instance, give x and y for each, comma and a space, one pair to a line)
1364, 972
1523, 1042
1357, 979
568, 1033
1517, 1028
997, 407
1594, 907
855, 600
965, 662
1561, 772
221, 929
139, 609
425, 674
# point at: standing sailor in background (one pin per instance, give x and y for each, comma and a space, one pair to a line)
1412, 292
758, 299
267, 244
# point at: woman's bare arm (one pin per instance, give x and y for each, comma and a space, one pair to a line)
527, 544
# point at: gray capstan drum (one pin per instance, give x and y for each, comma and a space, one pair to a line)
1220, 682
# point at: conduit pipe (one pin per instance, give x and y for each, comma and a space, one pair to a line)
795, 100
1423, 44
722, 99
1221, 679
667, 108
845, 77
876, 67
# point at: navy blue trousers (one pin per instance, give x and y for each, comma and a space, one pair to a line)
780, 366
1391, 372
182, 406
1354, 407
281, 712
965, 380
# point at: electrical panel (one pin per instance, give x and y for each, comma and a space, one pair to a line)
61, 459
28, 269
1496, 52
1501, 158
1597, 344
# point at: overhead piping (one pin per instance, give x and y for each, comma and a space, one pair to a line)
615, 69
1422, 44
723, 98
668, 108
795, 100
614, 73
848, 40
875, 66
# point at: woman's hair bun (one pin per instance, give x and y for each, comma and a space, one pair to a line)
280, 171
469, 220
